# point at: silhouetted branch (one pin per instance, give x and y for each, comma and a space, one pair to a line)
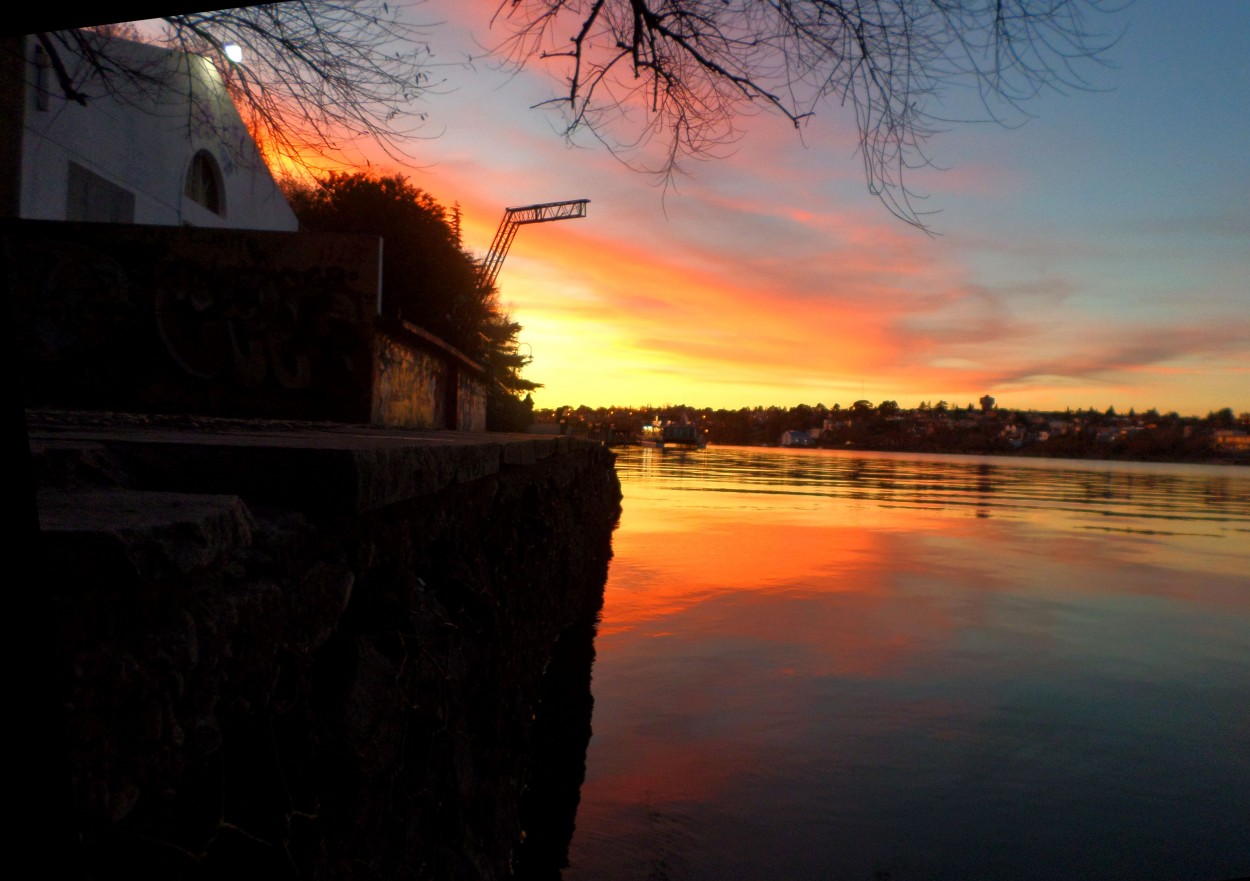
313, 75
684, 71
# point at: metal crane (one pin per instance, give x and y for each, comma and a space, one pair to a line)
513, 219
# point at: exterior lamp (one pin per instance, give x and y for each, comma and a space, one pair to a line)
234, 52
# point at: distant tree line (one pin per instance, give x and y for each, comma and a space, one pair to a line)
942, 428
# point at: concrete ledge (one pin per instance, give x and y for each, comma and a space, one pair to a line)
311, 467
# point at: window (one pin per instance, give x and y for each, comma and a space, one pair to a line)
204, 184
94, 198
41, 78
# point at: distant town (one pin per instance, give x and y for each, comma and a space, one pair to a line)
983, 428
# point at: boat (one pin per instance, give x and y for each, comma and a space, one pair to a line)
670, 435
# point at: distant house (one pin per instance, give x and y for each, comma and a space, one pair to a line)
1232, 440
160, 143
796, 438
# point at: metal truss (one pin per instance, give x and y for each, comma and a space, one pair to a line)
514, 219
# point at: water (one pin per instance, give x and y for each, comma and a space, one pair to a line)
824, 665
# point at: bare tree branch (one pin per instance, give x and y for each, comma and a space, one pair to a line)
313, 75
316, 74
679, 75
684, 71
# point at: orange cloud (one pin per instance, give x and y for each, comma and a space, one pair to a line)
770, 276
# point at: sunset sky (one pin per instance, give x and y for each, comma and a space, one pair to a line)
1096, 254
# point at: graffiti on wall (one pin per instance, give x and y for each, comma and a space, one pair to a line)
67, 299
419, 383
409, 386
250, 325
229, 318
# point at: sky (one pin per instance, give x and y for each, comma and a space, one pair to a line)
1095, 254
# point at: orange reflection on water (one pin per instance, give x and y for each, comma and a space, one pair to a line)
793, 577
672, 562
695, 529
903, 651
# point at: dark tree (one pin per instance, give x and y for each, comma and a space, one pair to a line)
685, 71
506, 409
428, 278
1222, 418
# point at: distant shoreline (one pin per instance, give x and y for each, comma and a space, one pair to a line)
1235, 461
1221, 438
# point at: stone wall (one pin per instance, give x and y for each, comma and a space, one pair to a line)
181, 320
470, 402
240, 323
374, 664
411, 386
419, 381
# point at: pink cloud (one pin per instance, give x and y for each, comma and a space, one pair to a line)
771, 276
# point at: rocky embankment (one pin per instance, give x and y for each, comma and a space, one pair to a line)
320, 651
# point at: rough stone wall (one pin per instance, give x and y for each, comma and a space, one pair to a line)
471, 403
408, 386
272, 692
421, 382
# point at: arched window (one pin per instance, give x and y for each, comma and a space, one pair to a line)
204, 184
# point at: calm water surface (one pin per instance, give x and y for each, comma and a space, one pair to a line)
822, 665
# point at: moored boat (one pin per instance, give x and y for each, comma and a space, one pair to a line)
682, 435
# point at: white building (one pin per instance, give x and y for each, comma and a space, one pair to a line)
161, 143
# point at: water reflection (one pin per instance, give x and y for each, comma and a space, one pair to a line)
824, 665
1005, 487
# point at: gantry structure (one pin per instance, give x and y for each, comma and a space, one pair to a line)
514, 219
